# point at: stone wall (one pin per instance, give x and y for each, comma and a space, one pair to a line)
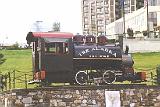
79, 97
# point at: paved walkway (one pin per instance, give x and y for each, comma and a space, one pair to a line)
142, 45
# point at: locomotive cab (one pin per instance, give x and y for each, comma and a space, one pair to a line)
51, 55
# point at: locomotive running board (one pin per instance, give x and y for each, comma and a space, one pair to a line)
100, 58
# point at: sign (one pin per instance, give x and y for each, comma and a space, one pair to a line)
112, 99
98, 52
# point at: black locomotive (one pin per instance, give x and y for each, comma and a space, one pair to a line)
65, 58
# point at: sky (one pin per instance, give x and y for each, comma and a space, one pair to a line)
18, 17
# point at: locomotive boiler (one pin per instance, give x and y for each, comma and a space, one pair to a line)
59, 57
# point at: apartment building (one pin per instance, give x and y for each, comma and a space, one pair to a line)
96, 14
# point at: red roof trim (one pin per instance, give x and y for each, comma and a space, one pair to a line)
53, 34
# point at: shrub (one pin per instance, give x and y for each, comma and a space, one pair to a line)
130, 32
2, 59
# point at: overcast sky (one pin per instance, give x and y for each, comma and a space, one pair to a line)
17, 17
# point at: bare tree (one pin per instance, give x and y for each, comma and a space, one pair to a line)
56, 26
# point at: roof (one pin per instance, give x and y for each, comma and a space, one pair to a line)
53, 34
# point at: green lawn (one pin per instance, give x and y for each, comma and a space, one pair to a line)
146, 60
16, 59
21, 60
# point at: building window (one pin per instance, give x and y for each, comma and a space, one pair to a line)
85, 9
85, 26
85, 20
85, 2
132, 8
152, 2
99, 9
132, 2
99, 16
100, 28
111, 2
100, 22
93, 16
112, 14
106, 2
85, 14
92, 4
98, 3
112, 20
112, 8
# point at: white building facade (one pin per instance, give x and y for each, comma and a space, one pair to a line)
137, 21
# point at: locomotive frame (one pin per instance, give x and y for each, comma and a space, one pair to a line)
59, 57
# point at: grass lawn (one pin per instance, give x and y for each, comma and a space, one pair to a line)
21, 60
146, 60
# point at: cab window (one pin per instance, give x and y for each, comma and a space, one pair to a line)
56, 47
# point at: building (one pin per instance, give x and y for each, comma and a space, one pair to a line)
96, 14
132, 5
137, 21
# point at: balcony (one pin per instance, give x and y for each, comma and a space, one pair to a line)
93, 13
101, 30
99, 12
85, 11
100, 18
99, 6
86, 22
86, 5
92, 8
106, 12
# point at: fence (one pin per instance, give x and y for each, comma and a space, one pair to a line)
10, 80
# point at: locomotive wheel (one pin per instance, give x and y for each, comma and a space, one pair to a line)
109, 77
81, 78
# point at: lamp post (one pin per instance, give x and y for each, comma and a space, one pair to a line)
146, 5
123, 12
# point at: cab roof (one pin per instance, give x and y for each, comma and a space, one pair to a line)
31, 36
52, 34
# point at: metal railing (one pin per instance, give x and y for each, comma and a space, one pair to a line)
10, 80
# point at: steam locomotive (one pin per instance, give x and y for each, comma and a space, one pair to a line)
59, 57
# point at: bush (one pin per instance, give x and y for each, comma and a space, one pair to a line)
2, 60
144, 33
130, 32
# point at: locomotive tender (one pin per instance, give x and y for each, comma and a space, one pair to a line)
60, 57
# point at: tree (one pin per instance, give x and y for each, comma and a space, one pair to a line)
16, 45
2, 59
56, 26
144, 33
130, 32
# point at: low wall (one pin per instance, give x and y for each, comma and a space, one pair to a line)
142, 45
82, 97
